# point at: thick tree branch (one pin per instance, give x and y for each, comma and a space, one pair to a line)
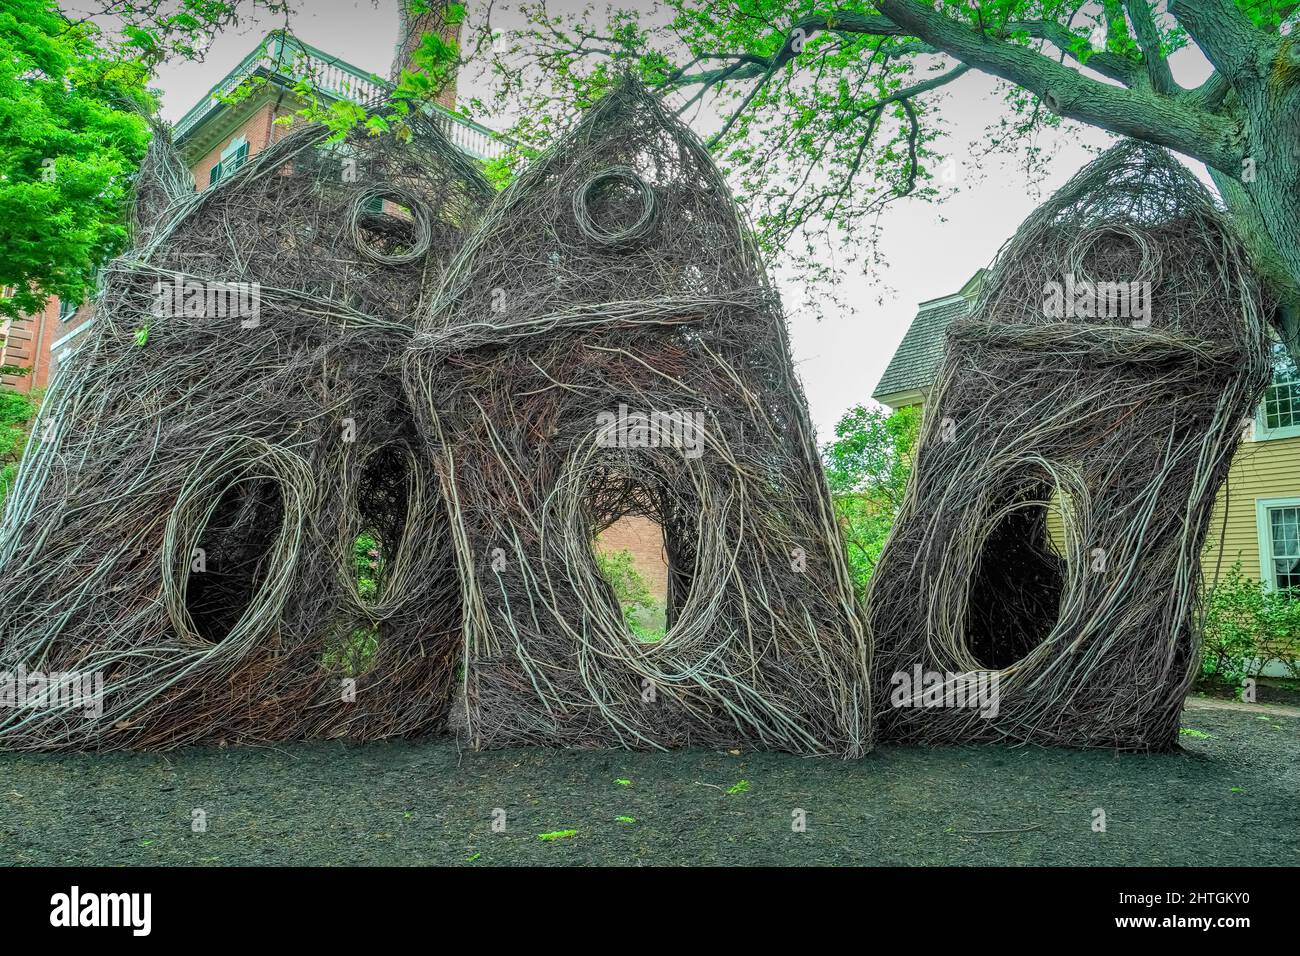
1227, 38
1142, 114
1148, 39
1209, 95
1111, 65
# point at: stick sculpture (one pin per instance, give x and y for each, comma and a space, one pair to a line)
606, 345
1046, 562
182, 531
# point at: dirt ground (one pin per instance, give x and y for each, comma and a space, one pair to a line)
1232, 797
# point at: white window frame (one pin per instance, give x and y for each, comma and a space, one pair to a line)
231, 150
1264, 433
1265, 532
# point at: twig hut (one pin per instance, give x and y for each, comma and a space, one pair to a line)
1083, 419
184, 526
607, 345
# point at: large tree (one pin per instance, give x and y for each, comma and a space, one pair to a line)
71, 135
825, 112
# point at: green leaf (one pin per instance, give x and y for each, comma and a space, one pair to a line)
558, 835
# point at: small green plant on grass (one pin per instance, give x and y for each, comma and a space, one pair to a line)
626, 819
1198, 734
740, 786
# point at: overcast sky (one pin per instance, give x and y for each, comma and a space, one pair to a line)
932, 249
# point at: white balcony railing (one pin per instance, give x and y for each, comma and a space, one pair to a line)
280, 55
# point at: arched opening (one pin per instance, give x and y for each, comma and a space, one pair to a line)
374, 558
641, 544
230, 562
1015, 596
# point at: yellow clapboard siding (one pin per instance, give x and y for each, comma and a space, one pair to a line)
1261, 469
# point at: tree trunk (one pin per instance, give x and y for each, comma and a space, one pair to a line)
1263, 197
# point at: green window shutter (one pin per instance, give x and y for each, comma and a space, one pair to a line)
232, 157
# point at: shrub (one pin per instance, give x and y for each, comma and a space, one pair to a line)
16, 413
1245, 626
641, 612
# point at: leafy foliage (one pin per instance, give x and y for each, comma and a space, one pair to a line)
1246, 624
71, 135
353, 653
366, 564
16, 413
641, 612
867, 467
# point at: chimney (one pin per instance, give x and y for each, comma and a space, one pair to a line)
411, 28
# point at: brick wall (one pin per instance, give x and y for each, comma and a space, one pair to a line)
432, 22
260, 130
645, 540
28, 342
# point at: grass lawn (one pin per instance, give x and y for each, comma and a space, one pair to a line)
1232, 797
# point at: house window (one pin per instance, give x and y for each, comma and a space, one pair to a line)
232, 157
1279, 541
1279, 414
67, 309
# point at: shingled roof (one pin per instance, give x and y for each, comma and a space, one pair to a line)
918, 355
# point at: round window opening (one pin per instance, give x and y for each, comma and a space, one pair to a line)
1114, 253
390, 225
615, 207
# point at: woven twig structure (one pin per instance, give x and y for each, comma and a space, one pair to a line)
184, 522
1080, 426
606, 345
357, 340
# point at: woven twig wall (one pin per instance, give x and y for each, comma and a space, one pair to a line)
184, 523
614, 285
484, 384
1047, 557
